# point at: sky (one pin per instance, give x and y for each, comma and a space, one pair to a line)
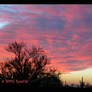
64, 31
76, 76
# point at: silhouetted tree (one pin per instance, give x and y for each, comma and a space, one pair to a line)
3, 74
27, 63
82, 83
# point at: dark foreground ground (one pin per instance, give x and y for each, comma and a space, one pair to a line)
29, 86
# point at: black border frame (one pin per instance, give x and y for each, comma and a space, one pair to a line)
45, 1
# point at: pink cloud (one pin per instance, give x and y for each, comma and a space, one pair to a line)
60, 29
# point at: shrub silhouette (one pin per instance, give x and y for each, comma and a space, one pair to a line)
51, 79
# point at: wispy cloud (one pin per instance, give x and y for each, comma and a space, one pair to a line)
65, 31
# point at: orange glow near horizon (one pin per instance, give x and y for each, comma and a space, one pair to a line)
75, 77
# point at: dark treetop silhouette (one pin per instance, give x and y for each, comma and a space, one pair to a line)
28, 64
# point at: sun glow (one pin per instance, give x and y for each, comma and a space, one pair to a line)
75, 77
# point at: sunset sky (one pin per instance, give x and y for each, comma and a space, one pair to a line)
64, 31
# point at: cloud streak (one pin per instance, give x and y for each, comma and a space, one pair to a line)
65, 31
